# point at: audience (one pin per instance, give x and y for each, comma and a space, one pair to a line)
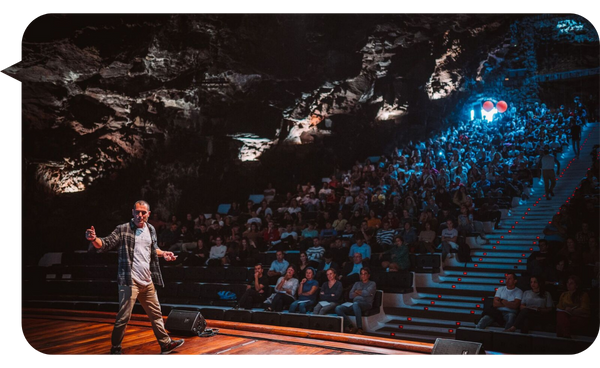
461, 177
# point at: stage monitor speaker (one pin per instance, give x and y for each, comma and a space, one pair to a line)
447, 346
185, 322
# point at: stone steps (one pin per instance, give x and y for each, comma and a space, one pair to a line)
441, 306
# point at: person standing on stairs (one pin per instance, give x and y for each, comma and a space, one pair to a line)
575, 136
547, 162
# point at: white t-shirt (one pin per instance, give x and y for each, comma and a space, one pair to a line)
140, 269
509, 295
534, 300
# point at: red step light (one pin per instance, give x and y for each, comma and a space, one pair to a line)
400, 327
432, 302
453, 286
522, 255
409, 319
485, 254
459, 279
451, 331
494, 247
392, 334
472, 312
439, 296
426, 308
478, 305
464, 273
530, 248
520, 261
480, 259
476, 265
483, 299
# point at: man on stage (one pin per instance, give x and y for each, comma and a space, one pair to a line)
138, 272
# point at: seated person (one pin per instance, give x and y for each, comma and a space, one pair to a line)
315, 253
257, 291
362, 295
289, 236
218, 253
396, 258
360, 247
506, 304
307, 293
351, 271
573, 309
330, 295
285, 291
539, 261
426, 239
326, 263
449, 237
385, 236
278, 267
198, 256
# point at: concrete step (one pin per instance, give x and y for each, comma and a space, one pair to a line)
456, 301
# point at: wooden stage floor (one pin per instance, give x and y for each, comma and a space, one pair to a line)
81, 332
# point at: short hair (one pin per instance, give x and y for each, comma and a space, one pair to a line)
366, 269
143, 203
513, 274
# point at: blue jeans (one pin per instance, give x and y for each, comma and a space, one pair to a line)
509, 318
302, 307
357, 308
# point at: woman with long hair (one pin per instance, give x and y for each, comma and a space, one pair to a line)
285, 290
573, 309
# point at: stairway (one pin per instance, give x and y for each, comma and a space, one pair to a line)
454, 297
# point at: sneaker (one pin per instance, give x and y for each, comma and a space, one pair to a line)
116, 350
174, 344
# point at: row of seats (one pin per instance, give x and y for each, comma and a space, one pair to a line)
389, 282
187, 293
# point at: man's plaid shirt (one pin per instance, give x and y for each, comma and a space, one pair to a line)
123, 237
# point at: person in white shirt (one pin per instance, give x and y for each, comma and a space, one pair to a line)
507, 302
449, 237
217, 256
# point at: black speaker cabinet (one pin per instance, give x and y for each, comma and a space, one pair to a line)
185, 322
456, 347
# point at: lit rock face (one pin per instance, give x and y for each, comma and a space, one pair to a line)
106, 104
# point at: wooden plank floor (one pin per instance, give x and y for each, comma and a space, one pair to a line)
90, 334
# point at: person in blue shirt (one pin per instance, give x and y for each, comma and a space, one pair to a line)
307, 293
360, 247
278, 267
